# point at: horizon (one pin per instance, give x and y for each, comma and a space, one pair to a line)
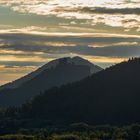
38, 67
44, 65
105, 32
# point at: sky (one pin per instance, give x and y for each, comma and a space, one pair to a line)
35, 32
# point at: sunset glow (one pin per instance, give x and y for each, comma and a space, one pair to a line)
105, 32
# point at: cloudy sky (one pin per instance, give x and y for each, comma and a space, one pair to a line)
34, 32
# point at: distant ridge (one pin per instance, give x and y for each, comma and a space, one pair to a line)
55, 73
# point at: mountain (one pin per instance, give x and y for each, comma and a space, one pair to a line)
55, 73
111, 96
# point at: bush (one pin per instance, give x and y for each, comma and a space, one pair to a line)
66, 137
17, 137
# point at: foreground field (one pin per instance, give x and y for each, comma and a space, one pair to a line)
79, 131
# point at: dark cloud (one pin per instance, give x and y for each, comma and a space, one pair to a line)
111, 51
98, 10
9, 64
39, 44
23, 38
114, 50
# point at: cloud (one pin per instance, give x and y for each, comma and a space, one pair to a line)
10, 73
121, 13
22, 53
16, 64
33, 33
37, 48
114, 51
99, 10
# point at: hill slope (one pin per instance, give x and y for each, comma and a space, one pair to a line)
55, 73
110, 96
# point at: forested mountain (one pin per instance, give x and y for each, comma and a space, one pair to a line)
55, 73
110, 96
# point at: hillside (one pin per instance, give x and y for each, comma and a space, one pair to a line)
110, 96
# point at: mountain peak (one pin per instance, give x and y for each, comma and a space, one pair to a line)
53, 74
52, 64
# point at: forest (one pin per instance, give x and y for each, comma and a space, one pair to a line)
104, 106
